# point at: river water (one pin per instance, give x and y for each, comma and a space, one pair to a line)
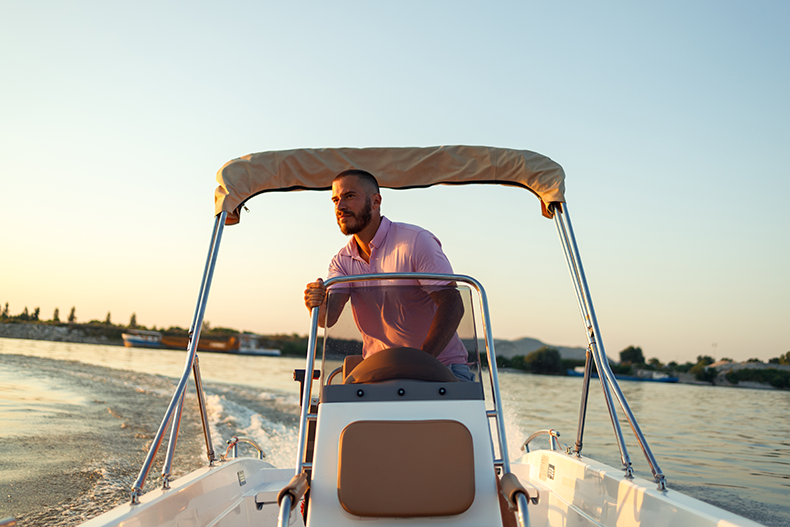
726, 446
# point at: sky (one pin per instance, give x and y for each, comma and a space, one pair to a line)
671, 120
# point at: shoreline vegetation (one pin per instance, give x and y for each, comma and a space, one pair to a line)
753, 373
30, 325
546, 360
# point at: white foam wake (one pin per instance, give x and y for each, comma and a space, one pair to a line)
227, 418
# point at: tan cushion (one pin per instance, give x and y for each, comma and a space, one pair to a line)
400, 363
406, 469
349, 363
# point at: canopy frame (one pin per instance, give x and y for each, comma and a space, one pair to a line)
228, 201
394, 168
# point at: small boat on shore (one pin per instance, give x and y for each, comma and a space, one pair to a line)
395, 439
641, 376
250, 344
243, 344
136, 338
157, 339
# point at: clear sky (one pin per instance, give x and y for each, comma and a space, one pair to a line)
671, 119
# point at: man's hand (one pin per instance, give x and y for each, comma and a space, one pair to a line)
314, 294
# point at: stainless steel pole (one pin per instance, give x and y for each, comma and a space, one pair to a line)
583, 410
523, 512
589, 360
493, 374
284, 517
171, 446
605, 371
307, 391
203, 414
585, 306
208, 274
488, 334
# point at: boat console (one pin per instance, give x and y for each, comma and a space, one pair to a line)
398, 434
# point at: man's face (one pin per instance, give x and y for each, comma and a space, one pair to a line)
353, 206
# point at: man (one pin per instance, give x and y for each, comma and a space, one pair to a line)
381, 246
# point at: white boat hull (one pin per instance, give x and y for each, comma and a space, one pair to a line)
572, 491
241, 492
581, 491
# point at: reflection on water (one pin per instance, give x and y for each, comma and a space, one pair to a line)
274, 373
25, 400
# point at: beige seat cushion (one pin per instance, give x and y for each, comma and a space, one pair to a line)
406, 469
399, 363
349, 363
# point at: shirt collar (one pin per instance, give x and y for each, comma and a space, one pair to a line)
381, 233
377, 241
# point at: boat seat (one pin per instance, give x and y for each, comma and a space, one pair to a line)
405, 469
396, 363
349, 363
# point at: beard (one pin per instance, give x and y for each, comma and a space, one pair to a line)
362, 220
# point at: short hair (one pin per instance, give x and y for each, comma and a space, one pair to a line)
367, 178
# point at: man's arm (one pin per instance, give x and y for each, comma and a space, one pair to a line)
315, 296
449, 311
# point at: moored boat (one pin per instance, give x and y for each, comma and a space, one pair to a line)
214, 343
250, 344
136, 338
218, 344
394, 439
641, 376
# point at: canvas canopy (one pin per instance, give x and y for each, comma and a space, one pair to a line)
396, 168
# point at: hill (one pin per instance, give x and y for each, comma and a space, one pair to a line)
524, 346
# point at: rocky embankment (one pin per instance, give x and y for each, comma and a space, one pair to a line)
53, 333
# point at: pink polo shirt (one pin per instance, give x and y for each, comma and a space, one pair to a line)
396, 316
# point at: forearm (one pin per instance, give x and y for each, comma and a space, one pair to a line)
449, 311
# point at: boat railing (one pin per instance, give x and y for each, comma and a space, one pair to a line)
554, 439
174, 409
495, 414
233, 448
597, 354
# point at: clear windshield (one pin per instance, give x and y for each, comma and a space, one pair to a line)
422, 332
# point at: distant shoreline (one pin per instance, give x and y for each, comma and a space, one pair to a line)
75, 333
54, 333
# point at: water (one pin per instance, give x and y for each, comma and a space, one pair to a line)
729, 447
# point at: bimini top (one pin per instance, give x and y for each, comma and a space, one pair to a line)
396, 168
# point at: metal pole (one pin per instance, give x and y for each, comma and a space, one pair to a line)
589, 361
203, 414
583, 410
208, 273
523, 513
488, 334
307, 391
580, 284
494, 375
605, 370
171, 446
285, 507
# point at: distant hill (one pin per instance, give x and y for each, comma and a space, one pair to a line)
525, 346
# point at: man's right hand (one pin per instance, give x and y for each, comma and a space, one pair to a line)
314, 294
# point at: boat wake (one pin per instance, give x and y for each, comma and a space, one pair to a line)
228, 418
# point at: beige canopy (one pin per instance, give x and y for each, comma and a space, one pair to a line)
396, 168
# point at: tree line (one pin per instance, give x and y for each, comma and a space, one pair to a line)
289, 345
547, 361
35, 316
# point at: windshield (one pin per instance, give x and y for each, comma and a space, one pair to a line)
379, 331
